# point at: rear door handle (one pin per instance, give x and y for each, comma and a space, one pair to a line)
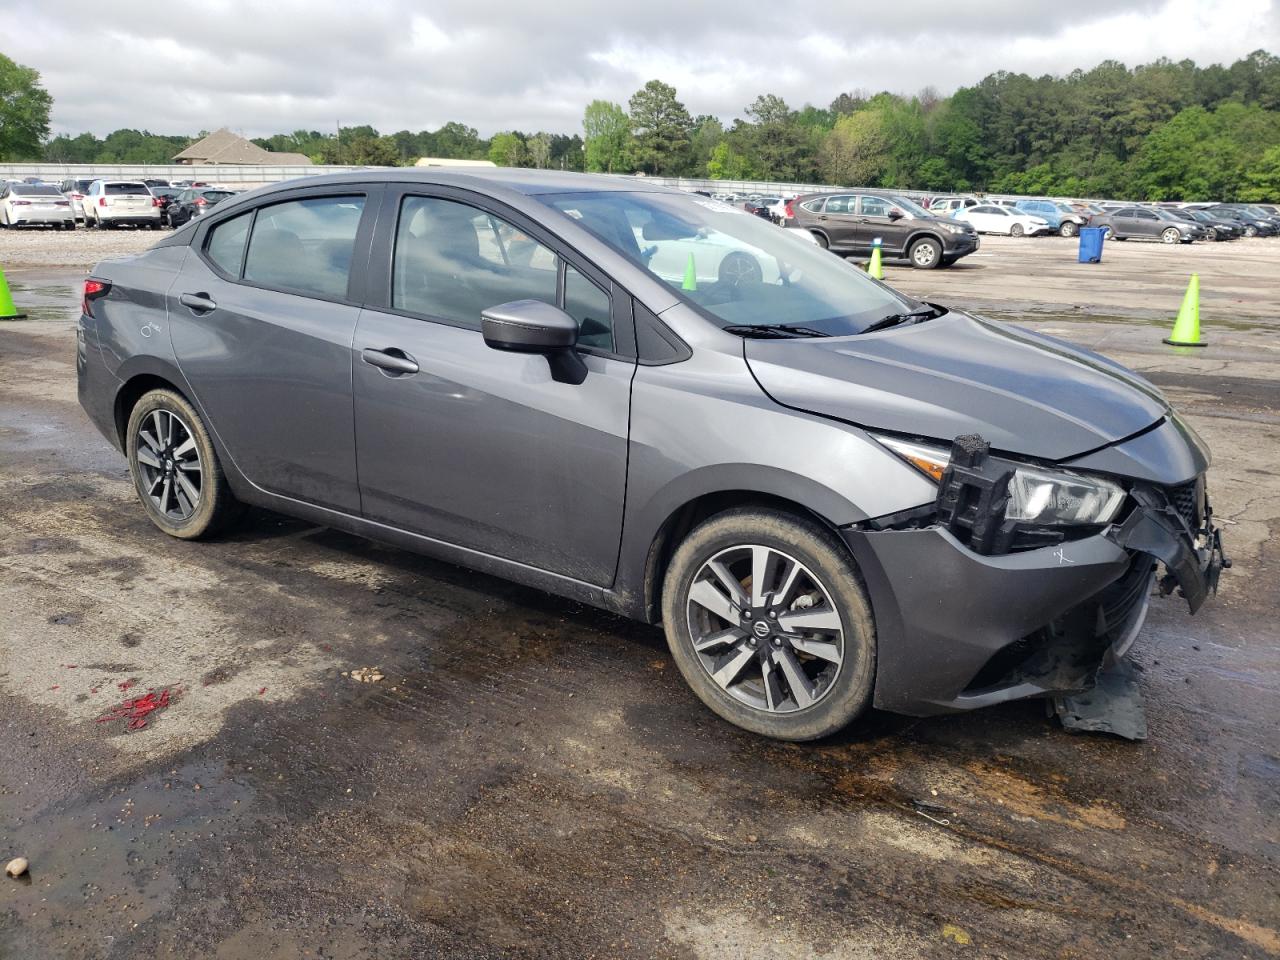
392, 360
198, 302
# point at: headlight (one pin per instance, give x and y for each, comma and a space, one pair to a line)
953, 228
1052, 498
928, 459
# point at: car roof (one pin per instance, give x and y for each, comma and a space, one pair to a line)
520, 180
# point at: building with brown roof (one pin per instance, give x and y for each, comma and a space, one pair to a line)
223, 146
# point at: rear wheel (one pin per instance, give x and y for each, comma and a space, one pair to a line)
768, 622
175, 468
925, 253
1016, 230
822, 240
1170, 235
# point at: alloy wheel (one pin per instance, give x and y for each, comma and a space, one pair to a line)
923, 254
1171, 236
169, 464
765, 629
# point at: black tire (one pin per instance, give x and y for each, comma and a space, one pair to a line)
1212, 234
1069, 228
839, 698
925, 254
1108, 233
822, 239
1170, 235
1016, 230
1250, 230
216, 506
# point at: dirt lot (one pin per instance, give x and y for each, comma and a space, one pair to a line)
531, 778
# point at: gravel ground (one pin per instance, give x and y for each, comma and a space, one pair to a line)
42, 247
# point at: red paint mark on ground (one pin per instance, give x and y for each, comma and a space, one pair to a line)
262, 691
54, 687
127, 684
136, 711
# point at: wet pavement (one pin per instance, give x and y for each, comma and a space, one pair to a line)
531, 778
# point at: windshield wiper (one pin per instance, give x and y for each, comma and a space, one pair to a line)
773, 330
926, 311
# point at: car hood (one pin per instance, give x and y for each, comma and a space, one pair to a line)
1025, 393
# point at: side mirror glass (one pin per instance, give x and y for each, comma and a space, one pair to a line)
895, 213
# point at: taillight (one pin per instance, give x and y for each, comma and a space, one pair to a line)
155, 201
102, 201
93, 290
201, 201
790, 213
22, 203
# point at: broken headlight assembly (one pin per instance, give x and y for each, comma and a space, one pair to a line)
997, 505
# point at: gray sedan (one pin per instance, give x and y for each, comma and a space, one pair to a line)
1148, 223
828, 494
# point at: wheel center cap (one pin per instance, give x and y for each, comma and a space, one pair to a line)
760, 628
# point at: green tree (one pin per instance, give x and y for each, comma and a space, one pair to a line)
539, 150
777, 144
606, 130
728, 164
24, 112
661, 126
507, 149
856, 151
1262, 182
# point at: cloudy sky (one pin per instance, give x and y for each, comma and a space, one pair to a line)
268, 66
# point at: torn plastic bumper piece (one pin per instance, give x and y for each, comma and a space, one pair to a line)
1114, 705
1193, 559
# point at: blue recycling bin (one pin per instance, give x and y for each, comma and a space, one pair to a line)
1091, 244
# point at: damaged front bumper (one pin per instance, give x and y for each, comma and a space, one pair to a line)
957, 629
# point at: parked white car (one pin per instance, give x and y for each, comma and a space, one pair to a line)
111, 203
992, 219
28, 204
949, 206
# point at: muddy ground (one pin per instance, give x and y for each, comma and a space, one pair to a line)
532, 779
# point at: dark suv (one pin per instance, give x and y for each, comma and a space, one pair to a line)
849, 223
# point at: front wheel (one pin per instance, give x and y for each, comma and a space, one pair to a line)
1108, 233
1068, 229
925, 253
1250, 231
1016, 230
175, 468
1171, 235
768, 622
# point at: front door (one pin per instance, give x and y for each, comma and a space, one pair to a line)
1144, 223
473, 446
261, 321
874, 221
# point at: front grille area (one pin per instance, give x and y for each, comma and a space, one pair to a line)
1186, 500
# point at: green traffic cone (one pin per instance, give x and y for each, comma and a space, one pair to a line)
7, 309
1186, 329
690, 275
875, 269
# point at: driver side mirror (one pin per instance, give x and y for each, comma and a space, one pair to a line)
895, 213
532, 326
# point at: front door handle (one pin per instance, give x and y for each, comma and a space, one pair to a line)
199, 302
392, 361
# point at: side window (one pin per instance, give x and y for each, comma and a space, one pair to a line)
591, 307
814, 206
839, 205
225, 245
453, 260
305, 245
875, 207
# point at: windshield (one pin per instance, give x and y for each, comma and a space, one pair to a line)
736, 268
913, 209
1166, 215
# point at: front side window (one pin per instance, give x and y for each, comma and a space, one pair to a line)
731, 266
453, 260
875, 207
305, 245
591, 307
226, 242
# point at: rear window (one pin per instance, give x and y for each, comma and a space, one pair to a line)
305, 245
36, 190
125, 189
213, 196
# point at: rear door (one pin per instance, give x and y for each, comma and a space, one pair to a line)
262, 316
478, 447
839, 221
